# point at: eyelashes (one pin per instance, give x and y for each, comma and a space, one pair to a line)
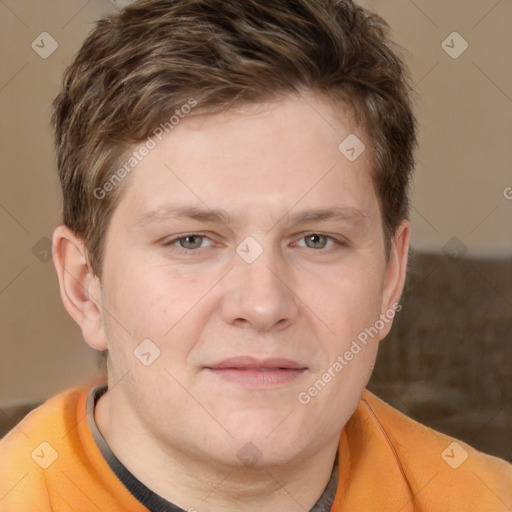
188, 243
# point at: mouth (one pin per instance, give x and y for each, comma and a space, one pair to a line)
251, 372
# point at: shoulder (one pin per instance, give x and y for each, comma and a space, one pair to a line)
49, 418
441, 467
32, 446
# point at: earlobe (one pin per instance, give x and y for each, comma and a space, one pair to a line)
395, 272
79, 287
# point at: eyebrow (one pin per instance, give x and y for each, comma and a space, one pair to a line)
338, 213
184, 212
334, 214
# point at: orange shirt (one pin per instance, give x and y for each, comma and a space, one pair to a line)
388, 462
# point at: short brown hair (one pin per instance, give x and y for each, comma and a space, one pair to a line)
142, 64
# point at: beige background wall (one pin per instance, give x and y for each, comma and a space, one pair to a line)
463, 174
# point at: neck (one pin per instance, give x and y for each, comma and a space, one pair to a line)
207, 486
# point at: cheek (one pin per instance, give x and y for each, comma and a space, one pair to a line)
150, 305
149, 298
347, 303
352, 349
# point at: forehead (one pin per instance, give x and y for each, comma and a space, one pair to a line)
258, 157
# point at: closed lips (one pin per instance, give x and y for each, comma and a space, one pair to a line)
251, 363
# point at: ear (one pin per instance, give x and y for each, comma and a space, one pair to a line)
80, 289
396, 271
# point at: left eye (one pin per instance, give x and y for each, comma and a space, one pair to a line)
317, 241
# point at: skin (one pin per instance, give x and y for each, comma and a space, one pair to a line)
176, 425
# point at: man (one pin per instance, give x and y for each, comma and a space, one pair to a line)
235, 236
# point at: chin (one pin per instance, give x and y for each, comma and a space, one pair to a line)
265, 443
258, 455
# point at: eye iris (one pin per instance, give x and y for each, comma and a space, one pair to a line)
318, 241
195, 242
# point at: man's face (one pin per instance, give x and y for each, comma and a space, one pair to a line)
283, 282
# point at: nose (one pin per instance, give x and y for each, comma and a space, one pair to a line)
259, 295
